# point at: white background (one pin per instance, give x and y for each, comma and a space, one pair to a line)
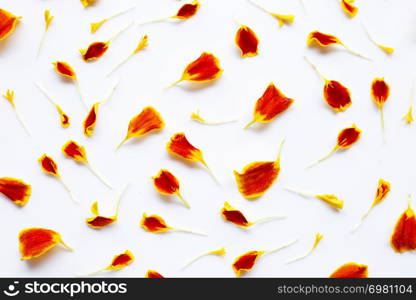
309, 127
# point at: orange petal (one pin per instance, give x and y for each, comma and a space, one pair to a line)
16, 190
336, 95
77, 152
90, 120
247, 40
7, 23
153, 274
204, 68
351, 270
99, 222
322, 39
380, 91
148, 120
383, 189
94, 51
246, 262
65, 122
349, 8
153, 223
166, 183
271, 104
235, 216
404, 236
187, 10
348, 136
181, 147
121, 260
65, 70
48, 165
34, 242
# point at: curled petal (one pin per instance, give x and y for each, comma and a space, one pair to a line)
322, 39
153, 223
91, 120
331, 200
75, 151
48, 165
16, 190
351, 270
153, 274
7, 23
94, 51
187, 10
247, 40
271, 104
336, 95
404, 236
349, 8
121, 260
148, 120
99, 222
65, 70
34, 242
380, 91
65, 121
204, 68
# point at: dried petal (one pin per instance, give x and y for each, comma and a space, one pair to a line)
204, 68
65, 70
153, 274
148, 120
87, 3
257, 177
350, 270
48, 165
349, 8
346, 138
121, 260
94, 51
187, 10
16, 190
91, 120
33, 242
404, 236
167, 184
271, 104
7, 23
247, 40
75, 151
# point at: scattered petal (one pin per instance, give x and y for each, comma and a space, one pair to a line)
9, 96
351, 270
386, 49
198, 118
380, 92
257, 177
91, 120
282, 19
87, 3
48, 20
204, 68
329, 199
16, 190
142, 124
7, 23
346, 138
34, 242
404, 236
247, 40
94, 51
318, 238
156, 224
65, 70
188, 10
153, 274
349, 8
95, 26
270, 105
167, 184
217, 252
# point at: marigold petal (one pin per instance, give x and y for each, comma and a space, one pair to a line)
235, 216
351, 270
246, 262
181, 147
322, 39
75, 151
121, 260
404, 236
153, 274
187, 10
336, 95
65, 70
247, 41
166, 183
7, 23
16, 190
94, 51
380, 91
48, 165
348, 136
91, 120
153, 223
349, 8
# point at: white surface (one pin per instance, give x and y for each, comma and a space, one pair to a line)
309, 127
